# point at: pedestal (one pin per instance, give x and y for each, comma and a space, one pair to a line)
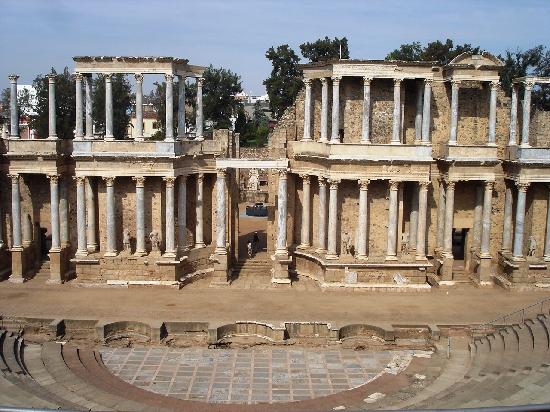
17, 266
280, 273
485, 270
447, 268
56, 275
221, 270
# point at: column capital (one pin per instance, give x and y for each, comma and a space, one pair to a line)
109, 180
80, 180
169, 181
522, 186
107, 76
423, 185
200, 81
140, 181
363, 184
222, 173
305, 177
183, 177
397, 82
367, 80
322, 180
489, 185
307, 82
529, 85
428, 82
450, 184
283, 173
455, 83
200, 177
13, 77
51, 77
333, 183
78, 76
169, 78
336, 79
138, 77
323, 80
495, 85
54, 178
14, 177
394, 184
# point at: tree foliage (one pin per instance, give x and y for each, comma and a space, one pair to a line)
435, 51
253, 132
325, 49
24, 105
122, 103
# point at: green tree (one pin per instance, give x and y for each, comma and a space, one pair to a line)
325, 49
285, 80
24, 105
219, 90
435, 51
253, 132
122, 103
158, 99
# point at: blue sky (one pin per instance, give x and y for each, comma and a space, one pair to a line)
39, 34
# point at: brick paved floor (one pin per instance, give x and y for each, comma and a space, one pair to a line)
248, 375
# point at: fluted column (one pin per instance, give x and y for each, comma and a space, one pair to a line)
79, 126
392, 221
81, 248
199, 118
221, 213
526, 116
307, 112
89, 119
520, 219
486, 225
181, 107
365, 135
441, 215
335, 131
91, 237
493, 114
52, 131
449, 216
306, 211
413, 218
169, 102
478, 218
332, 252
426, 111
199, 238
363, 219
14, 110
419, 112
140, 215
396, 112
547, 238
108, 108
15, 213
324, 110
322, 225
422, 220
182, 213
170, 250
281, 213
507, 225
513, 116
455, 84
54, 206
139, 107
110, 222
64, 213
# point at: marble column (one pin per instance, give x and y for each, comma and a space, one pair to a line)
14, 110
478, 217
455, 84
79, 126
281, 213
449, 218
199, 238
440, 235
221, 213
513, 116
322, 224
306, 211
54, 209
324, 110
140, 215
526, 116
52, 129
170, 250
392, 221
139, 107
396, 127
81, 248
335, 131
306, 137
426, 111
547, 238
64, 213
110, 222
91, 237
486, 221
88, 108
182, 213
169, 104
520, 219
363, 219
507, 224
365, 135
419, 112
422, 220
493, 114
27, 230
332, 252
199, 119
108, 108
181, 107
15, 213
413, 217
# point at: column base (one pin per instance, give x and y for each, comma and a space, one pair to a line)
365, 142
79, 137
109, 138
110, 254
518, 258
169, 140
139, 139
491, 144
15, 137
55, 250
16, 279
320, 251
220, 251
140, 253
199, 138
199, 245
81, 253
420, 257
485, 255
331, 256
391, 258
171, 255
52, 137
304, 246
362, 257
334, 141
92, 248
395, 142
325, 140
306, 139
546, 258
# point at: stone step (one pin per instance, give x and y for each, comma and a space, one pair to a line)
10, 347
15, 394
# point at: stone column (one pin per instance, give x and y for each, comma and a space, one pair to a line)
139, 107
79, 127
419, 112
332, 252
221, 213
111, 216
455, 84
169, 102
396, 112
14, 110
54, 206
199, 238
365, 136
182, 213
426, 111
335, 132
181, 107
1, 229
307, 112
513, 116
199, 133
64, 213
486, 225
507, 225
441, 214
449, 216
478, 217
520, 218
306, 211
91, 216
526, 116
281, 217
170, 250
81, 249
15, 213
392, 221
493, 114
547, 238
324, 110
422, 220
413, 218
363, 219
89, 120
27, 230
108, 108
52, 130
322, 225
140, 216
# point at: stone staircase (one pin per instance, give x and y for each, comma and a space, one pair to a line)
43, 273
259, 266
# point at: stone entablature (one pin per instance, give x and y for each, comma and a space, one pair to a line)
142, 65
468, 153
